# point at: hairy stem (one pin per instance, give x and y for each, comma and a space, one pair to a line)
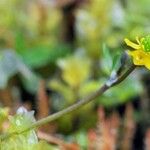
76, 105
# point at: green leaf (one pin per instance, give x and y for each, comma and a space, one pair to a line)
39, 56
23, 141
20, 42
107, 60
116, 61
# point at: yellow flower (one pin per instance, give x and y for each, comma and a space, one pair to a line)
75, 70
141, 52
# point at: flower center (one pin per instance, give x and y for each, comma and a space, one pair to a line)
146, 43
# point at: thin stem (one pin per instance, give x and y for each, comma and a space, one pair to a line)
124, 75
71, 108
76, 105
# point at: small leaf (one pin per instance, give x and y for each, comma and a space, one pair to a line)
116, 61
107, 61
106, 54
19, 42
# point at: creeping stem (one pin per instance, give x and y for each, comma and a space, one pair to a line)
74, 106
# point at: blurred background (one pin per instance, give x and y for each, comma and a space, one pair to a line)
55, 52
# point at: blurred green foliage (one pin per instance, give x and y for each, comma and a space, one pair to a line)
30, 39
26, 28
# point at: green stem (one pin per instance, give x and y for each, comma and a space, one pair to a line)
124, 75
76, 105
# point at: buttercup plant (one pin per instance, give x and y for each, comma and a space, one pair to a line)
141, 56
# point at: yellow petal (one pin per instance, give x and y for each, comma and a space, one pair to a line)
147, 62
147, 66
131, 44
138, 41
140, 58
